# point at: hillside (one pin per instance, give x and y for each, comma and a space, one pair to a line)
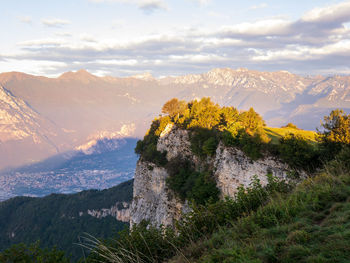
59, 220
211, 185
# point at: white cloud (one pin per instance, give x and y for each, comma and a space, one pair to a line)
42, 42
25, 19
115, 62
87, 38
308, 43
272, 26
339, 13
147, 6
54, 22
43, 67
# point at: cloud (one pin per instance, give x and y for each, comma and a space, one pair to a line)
335, 14
307, 45
87, 38
272, 26
54, 22
25, 19
41, 42
148, 6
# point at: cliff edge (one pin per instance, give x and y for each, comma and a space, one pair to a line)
153, 201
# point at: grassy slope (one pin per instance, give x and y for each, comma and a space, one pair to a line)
276, 133
312, 224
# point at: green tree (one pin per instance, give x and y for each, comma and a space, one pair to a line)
228, 118
336, 127
22, 253
251, 121
204, 114
174, 107
298, 152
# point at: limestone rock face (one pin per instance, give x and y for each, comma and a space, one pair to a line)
176, 142
153, 201
121, 212
233, 168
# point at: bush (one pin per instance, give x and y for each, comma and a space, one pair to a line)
189, 184
146, 243
147, 147
203, 142
298, 152
290, 125
32, 254
250, 145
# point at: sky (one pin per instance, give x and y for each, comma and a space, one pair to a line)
174, 37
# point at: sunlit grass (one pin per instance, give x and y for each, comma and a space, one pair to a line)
276, 133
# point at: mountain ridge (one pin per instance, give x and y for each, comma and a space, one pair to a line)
81, 105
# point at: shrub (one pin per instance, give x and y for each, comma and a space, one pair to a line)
147, 147
209, 146
290, 125
189, 184
203, 141
204, 220
32, 254
250, 145
298, 152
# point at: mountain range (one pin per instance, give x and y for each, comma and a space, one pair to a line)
79, 112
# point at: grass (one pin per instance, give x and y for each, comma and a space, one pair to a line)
311, 225
276, 133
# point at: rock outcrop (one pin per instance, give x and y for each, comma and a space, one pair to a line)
120, 211
154, 202
233, 168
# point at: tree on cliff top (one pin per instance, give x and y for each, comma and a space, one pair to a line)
174, 107
336, 127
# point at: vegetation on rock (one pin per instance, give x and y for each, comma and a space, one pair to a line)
56, 220
280, 222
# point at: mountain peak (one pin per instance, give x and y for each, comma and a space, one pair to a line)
81, 75
14, 75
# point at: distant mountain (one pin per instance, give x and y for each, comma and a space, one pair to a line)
41, 117
23, 129
59, 220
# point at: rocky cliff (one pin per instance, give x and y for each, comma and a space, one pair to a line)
153, 201
119, 211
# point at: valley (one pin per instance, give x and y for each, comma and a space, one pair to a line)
59, 120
